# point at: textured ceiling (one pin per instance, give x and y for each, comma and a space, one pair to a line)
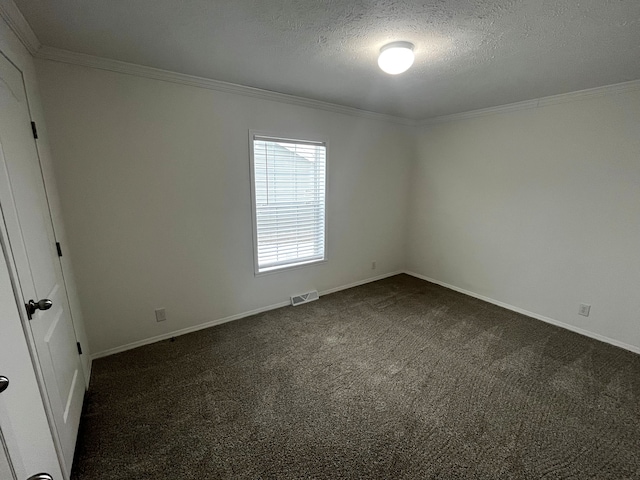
470, 54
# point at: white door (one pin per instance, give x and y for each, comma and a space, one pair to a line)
32, 245
26, 444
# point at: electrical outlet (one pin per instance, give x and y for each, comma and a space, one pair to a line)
584, 309
161, 315
373, 265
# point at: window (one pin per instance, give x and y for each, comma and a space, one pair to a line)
288, 184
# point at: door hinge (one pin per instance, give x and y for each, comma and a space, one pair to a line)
79, 348
34, 129
59, 249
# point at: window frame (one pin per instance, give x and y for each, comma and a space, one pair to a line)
303, 139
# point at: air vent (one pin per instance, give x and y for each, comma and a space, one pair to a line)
304, 298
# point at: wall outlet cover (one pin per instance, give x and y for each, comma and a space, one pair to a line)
584, 309
161, 315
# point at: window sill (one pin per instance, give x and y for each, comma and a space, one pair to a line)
286, 268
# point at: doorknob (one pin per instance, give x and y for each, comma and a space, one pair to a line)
41, 476
44, 304
4, 383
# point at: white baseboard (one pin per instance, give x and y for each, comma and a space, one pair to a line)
566, 326
89, 370
202, 326
361, 282
184, 331
212, 323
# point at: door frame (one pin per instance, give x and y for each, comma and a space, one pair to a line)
6, 463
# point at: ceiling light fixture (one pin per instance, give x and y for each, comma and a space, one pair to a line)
396, 57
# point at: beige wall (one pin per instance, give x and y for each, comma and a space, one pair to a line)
154, 181
539, 209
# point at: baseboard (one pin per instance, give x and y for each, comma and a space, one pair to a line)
552, 321
184, 331
89, 367
361, 282
220, 321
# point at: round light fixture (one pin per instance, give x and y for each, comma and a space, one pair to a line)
396, 57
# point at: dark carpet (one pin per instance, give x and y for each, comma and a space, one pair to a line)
397, 379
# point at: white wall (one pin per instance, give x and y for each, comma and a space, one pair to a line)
154, 181
538, 208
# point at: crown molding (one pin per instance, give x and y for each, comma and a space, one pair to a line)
65, 56
18, 24
535, 103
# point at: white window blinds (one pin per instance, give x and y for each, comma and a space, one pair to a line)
289, 179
